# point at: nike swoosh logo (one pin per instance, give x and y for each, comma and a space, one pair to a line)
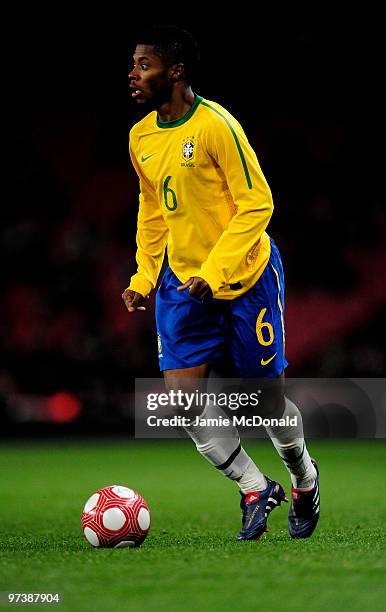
263, 363
143, 158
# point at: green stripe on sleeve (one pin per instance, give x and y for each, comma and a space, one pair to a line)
249, 183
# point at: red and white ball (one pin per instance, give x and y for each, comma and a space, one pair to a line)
115, 517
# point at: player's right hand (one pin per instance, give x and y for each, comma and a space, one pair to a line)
133, 300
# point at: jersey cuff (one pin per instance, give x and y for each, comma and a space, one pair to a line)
140, 284
212, 279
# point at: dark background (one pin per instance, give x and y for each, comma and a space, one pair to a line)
309, 101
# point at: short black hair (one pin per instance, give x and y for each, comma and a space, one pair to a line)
174, 45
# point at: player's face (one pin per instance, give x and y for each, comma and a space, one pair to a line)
149, 81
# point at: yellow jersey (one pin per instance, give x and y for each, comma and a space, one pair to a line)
204, 197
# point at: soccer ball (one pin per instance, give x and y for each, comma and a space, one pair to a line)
115, 517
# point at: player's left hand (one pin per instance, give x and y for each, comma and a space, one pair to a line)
198, 288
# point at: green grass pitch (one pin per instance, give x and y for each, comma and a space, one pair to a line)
190, 560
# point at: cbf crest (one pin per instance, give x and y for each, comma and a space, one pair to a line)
188, 149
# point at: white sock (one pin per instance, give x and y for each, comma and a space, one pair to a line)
226, 453
289, 443
252, 479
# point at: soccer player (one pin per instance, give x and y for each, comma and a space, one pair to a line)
204, 197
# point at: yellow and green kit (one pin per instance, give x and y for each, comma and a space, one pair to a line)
204, 197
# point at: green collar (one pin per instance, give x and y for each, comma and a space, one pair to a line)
184, 119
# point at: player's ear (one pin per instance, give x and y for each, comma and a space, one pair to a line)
177, 71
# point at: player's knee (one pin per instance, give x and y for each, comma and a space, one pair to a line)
186, 397
271, 402
272, 405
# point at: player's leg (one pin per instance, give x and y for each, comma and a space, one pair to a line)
190, 337
288, 440
219, 445
257, 345
290, 444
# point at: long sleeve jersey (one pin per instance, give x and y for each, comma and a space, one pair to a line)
204, 196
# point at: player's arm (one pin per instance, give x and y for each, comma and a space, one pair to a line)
151, 242
229, 147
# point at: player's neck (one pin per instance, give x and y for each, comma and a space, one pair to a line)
178, 105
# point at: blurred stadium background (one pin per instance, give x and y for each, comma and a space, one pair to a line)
310, 106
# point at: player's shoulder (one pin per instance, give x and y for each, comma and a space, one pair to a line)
217, 115
143, 126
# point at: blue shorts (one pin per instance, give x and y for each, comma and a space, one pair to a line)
250, 327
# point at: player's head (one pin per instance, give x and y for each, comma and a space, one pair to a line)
165, 58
